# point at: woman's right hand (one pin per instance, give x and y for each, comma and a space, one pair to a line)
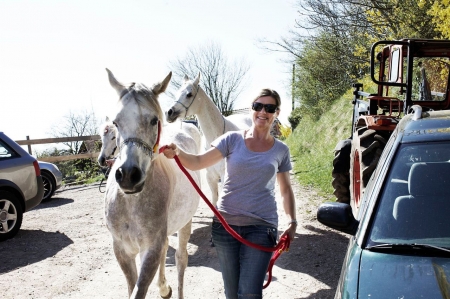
170, 151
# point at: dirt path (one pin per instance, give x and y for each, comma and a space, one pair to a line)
64, 251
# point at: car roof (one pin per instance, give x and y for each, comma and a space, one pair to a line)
433, 126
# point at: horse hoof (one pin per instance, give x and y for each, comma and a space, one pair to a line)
168, 295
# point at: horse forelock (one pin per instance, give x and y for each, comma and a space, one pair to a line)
144, 97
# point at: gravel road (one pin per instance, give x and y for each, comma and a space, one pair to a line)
64, 251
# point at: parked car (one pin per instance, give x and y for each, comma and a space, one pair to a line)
21, 186
52, 178
400, 244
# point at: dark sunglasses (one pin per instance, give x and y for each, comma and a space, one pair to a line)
269, 108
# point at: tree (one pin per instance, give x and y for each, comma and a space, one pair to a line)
440, 13
76, 124
332, 40
221, 79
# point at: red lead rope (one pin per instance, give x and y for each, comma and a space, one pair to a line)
283, 244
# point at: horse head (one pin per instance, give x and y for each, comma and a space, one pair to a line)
107, 132
138, 121
185, 104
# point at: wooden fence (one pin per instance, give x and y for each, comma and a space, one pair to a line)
30, 142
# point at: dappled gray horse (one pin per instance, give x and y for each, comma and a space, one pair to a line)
148, 198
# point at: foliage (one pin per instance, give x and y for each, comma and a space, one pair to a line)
79, 170
285, 131
312, 143
294, 118
222, 80
440, 14
321, 75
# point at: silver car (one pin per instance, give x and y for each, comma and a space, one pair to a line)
52, 178
21, 186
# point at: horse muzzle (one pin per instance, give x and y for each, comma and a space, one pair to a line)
130, 179
172, 115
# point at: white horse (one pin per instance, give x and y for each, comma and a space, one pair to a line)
107, 132
193, 100
148, 198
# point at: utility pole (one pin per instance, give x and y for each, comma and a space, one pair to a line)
293, 81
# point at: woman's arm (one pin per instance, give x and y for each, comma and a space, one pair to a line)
194, 162
287, 196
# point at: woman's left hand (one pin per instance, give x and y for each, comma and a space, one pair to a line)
290, 231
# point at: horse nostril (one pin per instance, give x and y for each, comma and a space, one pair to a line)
119, 175
135, 175
170, 112
101, 161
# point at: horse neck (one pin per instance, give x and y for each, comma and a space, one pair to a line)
209, 117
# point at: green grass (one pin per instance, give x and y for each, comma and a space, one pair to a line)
312, 144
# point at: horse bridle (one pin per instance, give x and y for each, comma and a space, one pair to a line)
187, 108
184, 106
144, 146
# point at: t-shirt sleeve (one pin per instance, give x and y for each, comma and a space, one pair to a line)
222, 144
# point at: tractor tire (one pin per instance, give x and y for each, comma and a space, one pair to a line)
367, 147
341, 171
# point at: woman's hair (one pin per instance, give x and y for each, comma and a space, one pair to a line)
266, 92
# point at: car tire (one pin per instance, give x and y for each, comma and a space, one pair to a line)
49, 185
11, 215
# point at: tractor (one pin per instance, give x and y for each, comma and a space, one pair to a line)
406, 72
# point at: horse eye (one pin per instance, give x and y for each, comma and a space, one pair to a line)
114, 123
154, 121
189, 95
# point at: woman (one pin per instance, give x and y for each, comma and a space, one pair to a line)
254, 160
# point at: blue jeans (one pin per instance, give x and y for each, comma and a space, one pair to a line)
243, 268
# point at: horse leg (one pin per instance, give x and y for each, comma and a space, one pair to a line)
127, 263
213, 182
181, 255
165, 291
150, 259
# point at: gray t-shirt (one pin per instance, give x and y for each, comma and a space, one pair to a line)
248, 193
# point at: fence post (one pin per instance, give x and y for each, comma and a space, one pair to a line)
29, 146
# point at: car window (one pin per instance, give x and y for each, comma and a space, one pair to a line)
415, 201
6, 152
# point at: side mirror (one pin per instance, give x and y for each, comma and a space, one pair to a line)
338, 216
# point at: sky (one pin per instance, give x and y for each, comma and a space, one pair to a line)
53, 53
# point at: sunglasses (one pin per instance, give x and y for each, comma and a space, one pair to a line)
269, 108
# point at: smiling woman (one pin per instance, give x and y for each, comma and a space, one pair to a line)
255, 160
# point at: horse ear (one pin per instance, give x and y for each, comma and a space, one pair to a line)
197, 80
161, 86
186, 78
107, 119
119, 87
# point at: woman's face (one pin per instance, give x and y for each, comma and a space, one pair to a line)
263, 118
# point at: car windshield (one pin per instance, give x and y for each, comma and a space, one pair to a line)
414, 207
